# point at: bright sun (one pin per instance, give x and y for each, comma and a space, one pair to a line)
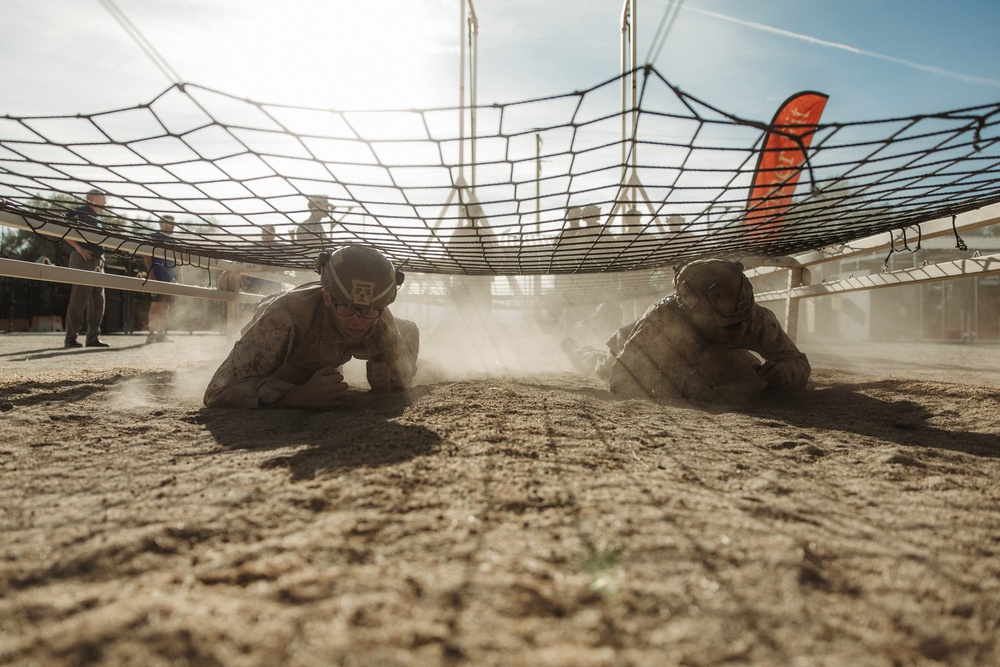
385, 54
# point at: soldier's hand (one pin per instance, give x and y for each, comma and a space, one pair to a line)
775, 375
379, 376
325, 389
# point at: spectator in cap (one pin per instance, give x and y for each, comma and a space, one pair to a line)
571, 248
312, 228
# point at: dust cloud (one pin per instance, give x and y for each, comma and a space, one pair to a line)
183, 385
485, 326
475, 342
477, 332
495, 337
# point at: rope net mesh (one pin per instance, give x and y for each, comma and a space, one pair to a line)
567, 184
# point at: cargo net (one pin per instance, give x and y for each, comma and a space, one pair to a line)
568, 184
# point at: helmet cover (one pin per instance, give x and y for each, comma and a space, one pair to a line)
359, 276
720, 285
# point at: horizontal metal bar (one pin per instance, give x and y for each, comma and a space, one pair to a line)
59, 231
60, 274
959, 268
983, 217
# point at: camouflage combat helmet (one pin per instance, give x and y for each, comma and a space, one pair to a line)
359, 276
714, 283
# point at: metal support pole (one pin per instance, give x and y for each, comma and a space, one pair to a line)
473, 24
538, 183
461, 90
792, 302
634, 120
624, 84
629, 84
631, 187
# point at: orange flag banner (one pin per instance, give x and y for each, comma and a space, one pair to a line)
780, 161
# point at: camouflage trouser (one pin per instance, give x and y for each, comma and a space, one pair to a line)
591, 361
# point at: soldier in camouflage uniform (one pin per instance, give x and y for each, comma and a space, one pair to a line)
291, 353
697, 343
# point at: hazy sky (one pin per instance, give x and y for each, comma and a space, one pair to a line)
875, 58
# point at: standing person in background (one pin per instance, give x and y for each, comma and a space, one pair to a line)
165, 270
268, 236
312, 228
86, 257
467, 243
568, 243
575, 241
255, 285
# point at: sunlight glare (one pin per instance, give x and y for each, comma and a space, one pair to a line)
392, 54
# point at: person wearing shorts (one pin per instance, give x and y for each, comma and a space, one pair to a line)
161, 267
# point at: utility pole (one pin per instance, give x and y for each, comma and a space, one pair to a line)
471, 24
631, 186
468, 31
538, 183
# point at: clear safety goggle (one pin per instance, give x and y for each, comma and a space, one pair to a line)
350, 311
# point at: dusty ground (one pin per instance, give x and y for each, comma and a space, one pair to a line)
497, 521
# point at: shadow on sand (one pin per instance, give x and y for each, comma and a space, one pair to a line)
361, 433
895, 415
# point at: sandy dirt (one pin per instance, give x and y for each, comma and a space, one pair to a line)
497, 521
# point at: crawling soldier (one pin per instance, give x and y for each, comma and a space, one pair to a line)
697, 343
291, 352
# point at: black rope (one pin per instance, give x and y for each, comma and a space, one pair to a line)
229, 166
959, 243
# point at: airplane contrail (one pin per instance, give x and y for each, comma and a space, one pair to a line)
845, 47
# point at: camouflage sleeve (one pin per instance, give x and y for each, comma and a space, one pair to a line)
401, 347
769, 340
244, 380
649, 364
